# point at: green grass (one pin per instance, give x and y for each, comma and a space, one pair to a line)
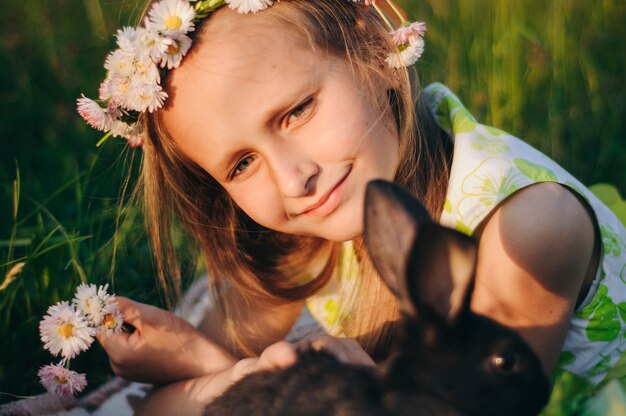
549, 72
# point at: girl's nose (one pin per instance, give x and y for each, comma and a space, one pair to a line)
295, 174
301, 180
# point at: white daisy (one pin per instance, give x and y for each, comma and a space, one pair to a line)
178, 48
248, 6
96, 116
146, 97
65, 331
406, 56
92, 301
146, 72
171, 16
112, 321
410, 41
118, 90
126, 37
60, 380
150, 44
121, 62
120, 129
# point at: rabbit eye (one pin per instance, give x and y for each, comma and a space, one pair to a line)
505, 361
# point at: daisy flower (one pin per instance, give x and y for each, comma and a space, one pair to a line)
92, 302
121, 62
178, 47
150, 44
146, 97
112, 321
410, 42
248, 6
171, 16
410, 34
96, 116
126, 37
64, 330
406, 56
60, 380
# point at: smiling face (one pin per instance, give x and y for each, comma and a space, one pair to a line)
291, 135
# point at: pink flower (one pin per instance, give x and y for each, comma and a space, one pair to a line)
409, 35
96, 116
60, 380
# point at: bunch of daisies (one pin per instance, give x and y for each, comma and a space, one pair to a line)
70, 328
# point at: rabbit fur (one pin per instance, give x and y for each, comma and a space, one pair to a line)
448, 362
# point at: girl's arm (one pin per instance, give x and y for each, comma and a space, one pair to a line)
189, 397
535, 254
258, 324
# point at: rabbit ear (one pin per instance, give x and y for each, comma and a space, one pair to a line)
391, 221
441, 271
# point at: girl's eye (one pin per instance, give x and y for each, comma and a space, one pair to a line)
242, 166
300, 111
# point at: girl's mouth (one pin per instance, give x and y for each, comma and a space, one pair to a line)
329, 201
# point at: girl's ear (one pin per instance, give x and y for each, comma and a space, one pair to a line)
391, 224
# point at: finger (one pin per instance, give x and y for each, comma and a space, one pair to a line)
244, 367
131, 310
279, 355
346, 350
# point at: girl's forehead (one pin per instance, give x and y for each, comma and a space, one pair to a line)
226, 25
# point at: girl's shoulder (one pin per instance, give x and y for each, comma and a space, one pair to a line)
492, 169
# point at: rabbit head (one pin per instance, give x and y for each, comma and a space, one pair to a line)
447, 352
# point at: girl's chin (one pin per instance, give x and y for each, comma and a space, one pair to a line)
339, 235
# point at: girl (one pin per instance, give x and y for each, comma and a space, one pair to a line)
261, 141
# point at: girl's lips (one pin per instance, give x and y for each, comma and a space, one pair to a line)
329, 202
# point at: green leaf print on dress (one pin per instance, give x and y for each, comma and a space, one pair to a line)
602, 366
491, 145
565, 358
604, 323
450, 109
611, 240
534, 171
492, 181
462, 121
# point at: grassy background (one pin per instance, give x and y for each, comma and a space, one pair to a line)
549, 72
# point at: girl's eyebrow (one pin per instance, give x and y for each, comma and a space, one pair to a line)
224, 163
288, 100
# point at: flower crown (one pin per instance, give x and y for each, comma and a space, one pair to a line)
133, 82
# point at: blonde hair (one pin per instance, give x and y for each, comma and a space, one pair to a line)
245, 256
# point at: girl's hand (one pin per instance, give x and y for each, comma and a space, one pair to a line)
346, 350
279, 355
283, 354
162, 348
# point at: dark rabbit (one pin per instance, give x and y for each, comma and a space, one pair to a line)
449, 361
